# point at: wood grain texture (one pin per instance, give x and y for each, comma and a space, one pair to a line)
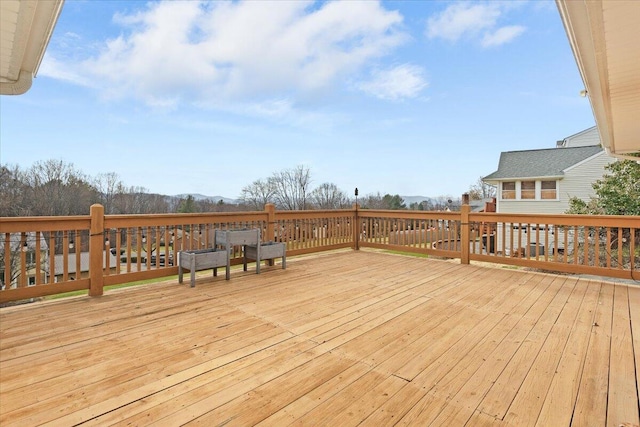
344, 338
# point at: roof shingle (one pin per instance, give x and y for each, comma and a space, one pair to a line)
551, 162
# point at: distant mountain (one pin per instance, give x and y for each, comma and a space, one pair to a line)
415, 199
215, 199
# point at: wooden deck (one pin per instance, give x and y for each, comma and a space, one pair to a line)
337, 339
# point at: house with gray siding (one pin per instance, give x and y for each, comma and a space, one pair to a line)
544, 180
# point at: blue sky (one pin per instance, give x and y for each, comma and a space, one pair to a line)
402, 97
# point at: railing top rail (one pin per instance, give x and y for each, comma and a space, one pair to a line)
315, 213
179, 219
559, 219
185, 215
43, 223
370, 213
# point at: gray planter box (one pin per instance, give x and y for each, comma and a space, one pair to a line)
202, 259
227, 239
269, 250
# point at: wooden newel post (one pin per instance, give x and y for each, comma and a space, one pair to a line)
270, 208
356, 228
96, 251
464, 229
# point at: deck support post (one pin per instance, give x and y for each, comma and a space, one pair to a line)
464, 229
96, 251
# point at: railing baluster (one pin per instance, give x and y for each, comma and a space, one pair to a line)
601, 245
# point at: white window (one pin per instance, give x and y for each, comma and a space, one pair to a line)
509, 190
528, 190
548, 190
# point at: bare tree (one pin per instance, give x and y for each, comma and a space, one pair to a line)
291, 187
372, 201
329, 196
14, 256
258, 194
136, 200
481, 190
154, 203
108, 185
12, 191
57, 188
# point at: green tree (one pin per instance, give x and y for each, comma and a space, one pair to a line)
394, 202
187, 205
618, 192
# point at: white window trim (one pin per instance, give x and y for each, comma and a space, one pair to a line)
539, 195
538, 191
502, 189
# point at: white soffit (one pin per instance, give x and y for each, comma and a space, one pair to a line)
605, 38
25, 30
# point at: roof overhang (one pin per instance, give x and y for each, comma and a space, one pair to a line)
605, 39
25, 29
523, 178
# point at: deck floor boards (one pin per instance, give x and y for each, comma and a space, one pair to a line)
346, 338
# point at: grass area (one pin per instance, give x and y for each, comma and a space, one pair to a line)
413, 254
106, 288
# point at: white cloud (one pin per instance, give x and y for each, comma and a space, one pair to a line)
502, 35
212, 52
473, 21
462, 18
402, 81
51, 67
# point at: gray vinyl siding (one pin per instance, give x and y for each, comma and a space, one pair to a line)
577, 182
532, 206
579, 179
582, 139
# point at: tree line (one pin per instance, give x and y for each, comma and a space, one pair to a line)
58, 188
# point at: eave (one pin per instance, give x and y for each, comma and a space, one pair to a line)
25, 30
605, 39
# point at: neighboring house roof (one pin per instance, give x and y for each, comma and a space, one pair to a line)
479, 205
550, 162
581, 139
605, 39
84, 262
25, 30
15, 240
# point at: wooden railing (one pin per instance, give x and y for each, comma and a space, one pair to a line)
599, 245
48, 255
51, 255
432, 233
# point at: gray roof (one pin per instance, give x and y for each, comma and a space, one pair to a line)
84, 262
15, 240
479, 205
550, 162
